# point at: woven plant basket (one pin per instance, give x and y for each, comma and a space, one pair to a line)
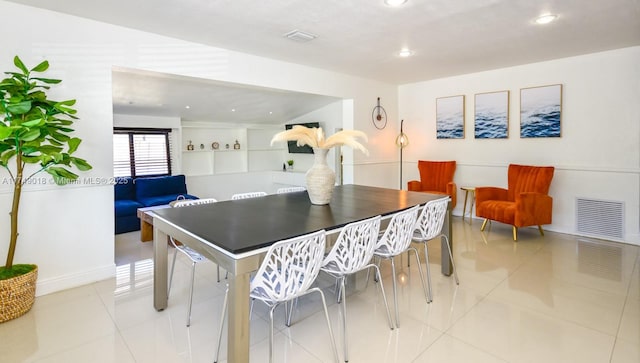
17, 295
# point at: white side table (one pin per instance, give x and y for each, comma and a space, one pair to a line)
468, 190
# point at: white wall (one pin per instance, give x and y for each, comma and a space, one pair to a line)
597, 156
69, 233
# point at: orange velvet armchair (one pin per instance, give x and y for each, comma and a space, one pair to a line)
436, 177
525, 203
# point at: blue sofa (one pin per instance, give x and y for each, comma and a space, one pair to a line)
126, 206
131, 194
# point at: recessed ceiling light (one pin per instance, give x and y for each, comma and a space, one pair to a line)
394, 2
405, 52
270, 112
187, 106
546, 18
233, 110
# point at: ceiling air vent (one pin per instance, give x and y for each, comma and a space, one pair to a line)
300, 36
600, 218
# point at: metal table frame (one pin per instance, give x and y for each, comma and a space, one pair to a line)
239, 266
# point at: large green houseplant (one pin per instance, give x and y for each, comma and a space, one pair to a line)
34, 138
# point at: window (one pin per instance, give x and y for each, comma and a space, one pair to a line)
141, 152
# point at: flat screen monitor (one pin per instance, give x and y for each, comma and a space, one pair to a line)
293, 146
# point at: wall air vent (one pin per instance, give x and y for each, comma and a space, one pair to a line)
600, 218
300, 36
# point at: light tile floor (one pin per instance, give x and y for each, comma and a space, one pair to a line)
557, 298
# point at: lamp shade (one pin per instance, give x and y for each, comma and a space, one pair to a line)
402, 140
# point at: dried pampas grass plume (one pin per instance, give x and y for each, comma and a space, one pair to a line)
348, 138
314, 137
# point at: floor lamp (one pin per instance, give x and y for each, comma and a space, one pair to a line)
401, 141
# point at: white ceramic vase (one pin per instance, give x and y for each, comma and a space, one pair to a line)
320, 178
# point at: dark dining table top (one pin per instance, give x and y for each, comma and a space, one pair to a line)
248, 224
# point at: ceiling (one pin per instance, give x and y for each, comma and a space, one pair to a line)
362, 37
138, 92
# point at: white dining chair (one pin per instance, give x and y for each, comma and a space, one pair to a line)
248, 195
429, 227
286, 273
395, 240
182, 202
352, 252
194, 256
290, 190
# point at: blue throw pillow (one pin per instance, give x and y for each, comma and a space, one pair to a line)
160, 186
124, 189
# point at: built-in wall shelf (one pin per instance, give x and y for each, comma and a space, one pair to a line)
269, 149
213, 162
197, 162
255, 152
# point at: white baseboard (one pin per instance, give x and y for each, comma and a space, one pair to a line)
59, 283
631, 238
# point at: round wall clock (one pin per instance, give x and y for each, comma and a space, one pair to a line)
379, 116
215, 146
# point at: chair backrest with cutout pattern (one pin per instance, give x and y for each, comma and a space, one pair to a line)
290, 190
248, 195
431, 219
397, 236
188, 202
354, 247
289, 268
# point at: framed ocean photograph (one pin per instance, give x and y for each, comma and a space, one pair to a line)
450, 117
492, 115
540, 111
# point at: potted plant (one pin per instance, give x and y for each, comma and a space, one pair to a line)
34, 138
290, 163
